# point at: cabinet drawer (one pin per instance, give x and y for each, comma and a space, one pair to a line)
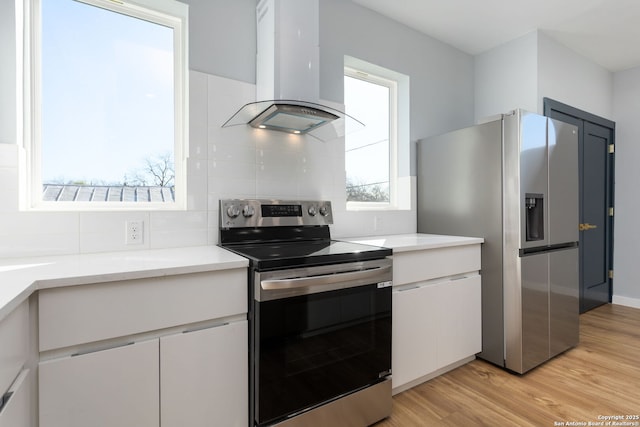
417, 266
80, 314
14, 344
17, 411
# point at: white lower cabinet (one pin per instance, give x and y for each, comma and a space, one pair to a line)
186, 379
17, 409
460, 332
14, 345
414, 333
435, 324
16, 402
203, 377
114, 387
182, 359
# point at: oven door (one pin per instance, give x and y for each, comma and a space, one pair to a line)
319, 333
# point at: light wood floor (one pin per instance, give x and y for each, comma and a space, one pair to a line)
599, 377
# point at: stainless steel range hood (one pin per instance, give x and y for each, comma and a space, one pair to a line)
287, 75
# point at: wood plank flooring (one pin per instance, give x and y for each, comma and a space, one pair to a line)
600, 377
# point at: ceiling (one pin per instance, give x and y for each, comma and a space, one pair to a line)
605, 31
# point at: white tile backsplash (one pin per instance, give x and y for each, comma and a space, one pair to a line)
231, 162
106, 231
40, 244
38, 233
9, 189
197, 184
198, 113
178, 228
8, 155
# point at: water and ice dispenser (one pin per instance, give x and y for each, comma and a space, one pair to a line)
534, 205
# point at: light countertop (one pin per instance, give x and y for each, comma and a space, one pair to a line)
20, 277
415, 242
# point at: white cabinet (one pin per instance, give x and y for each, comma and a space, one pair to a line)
115, 387
14, 345
203, 377
82, 314
460, 332
415, 329
17, 409
15, 377
436, 319
176, 352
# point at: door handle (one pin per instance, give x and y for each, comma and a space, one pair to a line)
327, 279
586, 226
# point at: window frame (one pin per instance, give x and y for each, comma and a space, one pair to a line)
169, 13
392, 84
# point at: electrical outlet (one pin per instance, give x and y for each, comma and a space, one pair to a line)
134, 232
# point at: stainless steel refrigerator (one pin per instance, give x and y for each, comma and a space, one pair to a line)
513, 181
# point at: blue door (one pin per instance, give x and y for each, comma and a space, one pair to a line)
596, 165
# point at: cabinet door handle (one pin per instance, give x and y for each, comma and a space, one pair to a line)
95, 350
202, 328
4, 399
408, 289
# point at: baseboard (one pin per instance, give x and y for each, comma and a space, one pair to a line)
627, 301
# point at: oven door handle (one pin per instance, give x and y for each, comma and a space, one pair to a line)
356, 277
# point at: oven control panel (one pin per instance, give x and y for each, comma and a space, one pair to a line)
236, 213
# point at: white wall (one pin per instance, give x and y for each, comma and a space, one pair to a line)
8, 85
223, 40
626, 112
241, 161
506, 77
572, 79
520, 73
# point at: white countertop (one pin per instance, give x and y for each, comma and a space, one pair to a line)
415, 242
20, 277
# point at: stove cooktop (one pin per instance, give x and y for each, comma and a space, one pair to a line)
268, 256
278, 234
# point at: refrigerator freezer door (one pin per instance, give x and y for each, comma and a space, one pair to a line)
527, 321
544, 322
563, 183
564, 304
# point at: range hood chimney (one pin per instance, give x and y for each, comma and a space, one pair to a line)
288, 76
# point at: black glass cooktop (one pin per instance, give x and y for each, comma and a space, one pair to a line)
267, 256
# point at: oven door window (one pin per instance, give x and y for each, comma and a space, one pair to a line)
314, 348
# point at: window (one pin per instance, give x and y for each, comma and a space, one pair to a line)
370, 154
108, 104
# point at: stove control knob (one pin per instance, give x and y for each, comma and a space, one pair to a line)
312, 210
324, 211
248, 211
233, 211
